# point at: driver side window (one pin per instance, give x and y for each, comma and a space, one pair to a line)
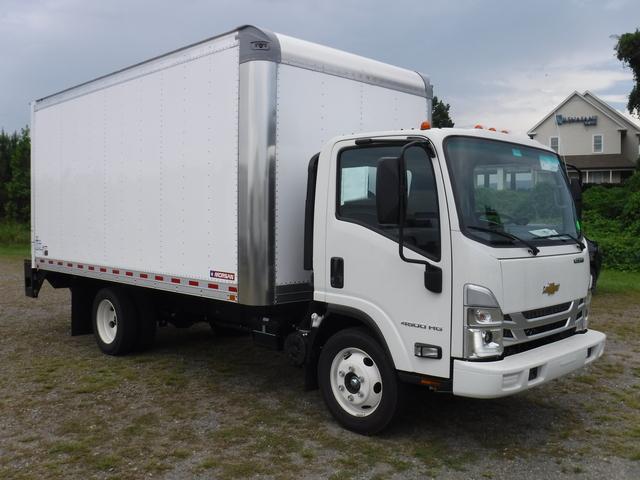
356, 200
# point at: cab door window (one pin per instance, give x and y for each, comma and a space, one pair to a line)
356, 194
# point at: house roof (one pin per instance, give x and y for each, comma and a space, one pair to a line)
602, 107
592, 98
599, 162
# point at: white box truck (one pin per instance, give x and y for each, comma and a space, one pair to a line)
190, 188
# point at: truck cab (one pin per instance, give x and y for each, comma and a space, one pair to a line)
459, 258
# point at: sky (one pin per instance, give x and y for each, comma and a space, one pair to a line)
500, 63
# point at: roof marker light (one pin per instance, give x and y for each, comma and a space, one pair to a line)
426, 125
478, 126
492, 129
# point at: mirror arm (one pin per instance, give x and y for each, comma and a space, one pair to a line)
403, 204
432, 273
401, 249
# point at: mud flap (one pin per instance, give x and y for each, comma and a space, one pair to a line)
33, 280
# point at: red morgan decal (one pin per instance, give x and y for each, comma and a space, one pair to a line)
222, 275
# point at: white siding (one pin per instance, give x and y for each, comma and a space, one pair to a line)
576, 138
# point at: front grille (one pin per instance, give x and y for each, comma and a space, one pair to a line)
545, 328
523, 347
525, 330
543, 312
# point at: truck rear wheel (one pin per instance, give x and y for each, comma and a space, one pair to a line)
358, 382
114, 321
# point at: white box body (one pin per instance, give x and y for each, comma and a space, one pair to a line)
188, 172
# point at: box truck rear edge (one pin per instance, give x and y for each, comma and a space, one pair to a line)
190, 188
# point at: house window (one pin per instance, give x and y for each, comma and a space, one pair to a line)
554, 142
599, 177
597, 144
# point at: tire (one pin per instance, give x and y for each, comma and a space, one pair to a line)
358, 381
115, 322
594, 280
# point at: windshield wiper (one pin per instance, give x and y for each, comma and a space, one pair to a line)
533, 250
555, 235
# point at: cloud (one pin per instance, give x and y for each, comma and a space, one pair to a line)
615, 98
516, 99
498, 61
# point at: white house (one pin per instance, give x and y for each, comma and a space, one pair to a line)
592, 136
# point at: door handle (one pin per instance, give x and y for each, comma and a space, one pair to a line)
337, 272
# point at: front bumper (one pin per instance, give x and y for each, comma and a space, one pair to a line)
527, 369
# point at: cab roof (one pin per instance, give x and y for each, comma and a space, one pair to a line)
439, 134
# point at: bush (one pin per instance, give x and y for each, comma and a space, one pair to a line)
620, 253
15, 234
612, 218
608, 202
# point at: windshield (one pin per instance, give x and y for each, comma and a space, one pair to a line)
509, 188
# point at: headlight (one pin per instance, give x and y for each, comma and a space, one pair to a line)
484, 317
483, 326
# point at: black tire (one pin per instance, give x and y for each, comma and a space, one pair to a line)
147, 322
594, 280
386, 409
117, 301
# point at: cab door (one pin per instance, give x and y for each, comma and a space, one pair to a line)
364, 273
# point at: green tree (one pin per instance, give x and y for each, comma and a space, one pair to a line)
18, 197
628, 51
440, 114
7, 145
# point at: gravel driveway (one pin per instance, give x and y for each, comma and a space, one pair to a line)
199, 406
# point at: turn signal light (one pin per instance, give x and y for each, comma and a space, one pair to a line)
430, 382
426, 125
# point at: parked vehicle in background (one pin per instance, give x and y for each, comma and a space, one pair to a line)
595, 261
283, 186
595, 254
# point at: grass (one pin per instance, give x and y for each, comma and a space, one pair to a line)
613, 281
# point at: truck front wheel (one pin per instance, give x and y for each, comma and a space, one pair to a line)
358, 382
114, 321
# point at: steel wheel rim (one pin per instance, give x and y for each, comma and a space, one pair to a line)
107, 321
356, 382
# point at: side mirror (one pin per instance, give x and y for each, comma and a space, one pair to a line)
388, 191
391, 191
576, 193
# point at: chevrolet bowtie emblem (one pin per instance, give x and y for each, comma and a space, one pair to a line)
551, 288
